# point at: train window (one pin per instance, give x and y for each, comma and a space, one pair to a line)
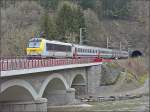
55, 47
49, 46
34, 43
78, 49
68, 48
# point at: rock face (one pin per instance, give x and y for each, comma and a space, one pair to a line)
110, 74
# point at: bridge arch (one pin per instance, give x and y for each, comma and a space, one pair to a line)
79, 83
55, 88
20, 85
49, 79
80, 77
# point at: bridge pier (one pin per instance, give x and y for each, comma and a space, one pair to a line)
61, 97
93, 78
39, 105
70, 95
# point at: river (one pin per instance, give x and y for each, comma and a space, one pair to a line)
138, 104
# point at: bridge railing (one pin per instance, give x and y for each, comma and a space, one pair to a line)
16, 63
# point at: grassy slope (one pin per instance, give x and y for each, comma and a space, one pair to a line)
134, 76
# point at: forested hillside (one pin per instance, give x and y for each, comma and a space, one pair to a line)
125, 21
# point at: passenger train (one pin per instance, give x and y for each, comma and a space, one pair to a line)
40, 47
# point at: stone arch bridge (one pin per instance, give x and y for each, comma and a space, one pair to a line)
35, 89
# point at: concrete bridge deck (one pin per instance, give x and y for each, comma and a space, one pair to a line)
32, 89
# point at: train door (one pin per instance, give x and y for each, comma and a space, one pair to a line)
98, 54
75, 52
68, 51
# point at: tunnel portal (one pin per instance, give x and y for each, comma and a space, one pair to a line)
136, 53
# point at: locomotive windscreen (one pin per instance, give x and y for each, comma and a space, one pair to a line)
34, 43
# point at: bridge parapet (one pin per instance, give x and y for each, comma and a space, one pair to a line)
47, 68
7, 64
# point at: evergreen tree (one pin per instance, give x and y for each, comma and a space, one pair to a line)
87, 3
115, 8
48, 26
52, 4
69, 20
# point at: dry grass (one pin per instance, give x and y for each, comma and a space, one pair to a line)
18, 23
135, 68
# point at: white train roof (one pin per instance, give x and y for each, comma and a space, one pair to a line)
90, 47
58, 42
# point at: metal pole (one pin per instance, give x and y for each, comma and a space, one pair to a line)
107, 42
120, 45
80, 36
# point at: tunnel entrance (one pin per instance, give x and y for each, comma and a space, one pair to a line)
136, 53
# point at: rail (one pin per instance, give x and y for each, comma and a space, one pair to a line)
16, 63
